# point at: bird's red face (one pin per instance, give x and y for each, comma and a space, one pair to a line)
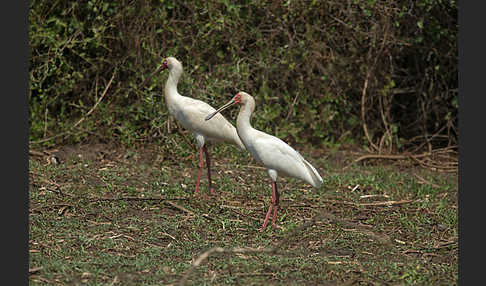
161, 68
164, 65
237, 98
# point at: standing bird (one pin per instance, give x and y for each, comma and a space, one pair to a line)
270, 151
190, 114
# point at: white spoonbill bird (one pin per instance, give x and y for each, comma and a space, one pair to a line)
270, 151
190, 114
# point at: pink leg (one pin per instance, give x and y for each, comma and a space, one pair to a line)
198, 182
277, 198
265, 222
208, 165
273, 205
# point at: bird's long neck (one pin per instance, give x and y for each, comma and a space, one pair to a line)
243, 125
171, 85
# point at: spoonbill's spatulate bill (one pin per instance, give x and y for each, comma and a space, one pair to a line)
190, 114
276, 155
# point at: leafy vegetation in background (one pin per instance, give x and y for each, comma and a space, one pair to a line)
378, 73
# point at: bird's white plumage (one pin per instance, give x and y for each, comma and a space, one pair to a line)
277, 155
190, 112
271, 151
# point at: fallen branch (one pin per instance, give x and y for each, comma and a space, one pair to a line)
252, 167
424, 181
374, 196
35, 269
453, 243
382, 156
382, 238
452, 167
180, 208
38, 278
137, 199
425, 159
115, 280
50, 138
387, 203
37, 153
338, 202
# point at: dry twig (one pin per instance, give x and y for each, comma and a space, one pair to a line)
424, 181
70, 132
128, 198
180, 207
381, 156
363, 111
97, 102
387, 203
35, 269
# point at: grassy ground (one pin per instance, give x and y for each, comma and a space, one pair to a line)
112, 216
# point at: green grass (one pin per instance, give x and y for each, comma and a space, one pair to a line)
87, 228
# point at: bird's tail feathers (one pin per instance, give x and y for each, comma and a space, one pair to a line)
315, 177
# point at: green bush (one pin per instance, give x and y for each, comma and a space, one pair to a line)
306, 63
